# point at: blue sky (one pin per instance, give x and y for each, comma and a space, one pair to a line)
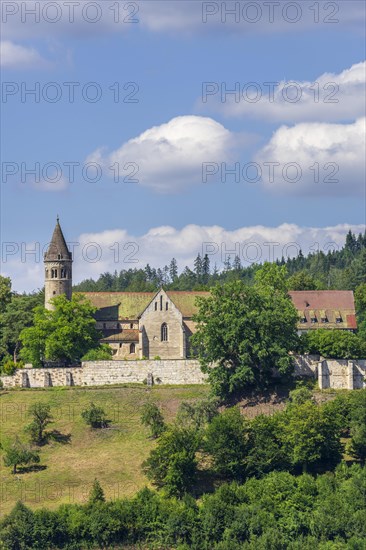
168, 55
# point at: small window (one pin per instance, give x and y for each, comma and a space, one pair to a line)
132, 348
131, 325
167, 306
164, 332
104, 325
161, 303
338, 316
59, 256
156, 306
120, 346
314, 320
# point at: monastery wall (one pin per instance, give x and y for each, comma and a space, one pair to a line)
331, 373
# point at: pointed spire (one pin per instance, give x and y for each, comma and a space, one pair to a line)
58, 249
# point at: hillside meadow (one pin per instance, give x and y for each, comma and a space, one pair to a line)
76, 454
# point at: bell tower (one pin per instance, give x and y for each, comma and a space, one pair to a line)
58, 267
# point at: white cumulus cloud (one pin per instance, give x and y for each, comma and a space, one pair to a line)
15, 56
315, 159
169, 157
330, 97
117, 249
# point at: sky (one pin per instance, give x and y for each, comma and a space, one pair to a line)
160, 129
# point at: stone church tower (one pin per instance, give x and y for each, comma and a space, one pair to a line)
58, 267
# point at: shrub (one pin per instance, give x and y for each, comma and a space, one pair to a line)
9, 366
17, 454
226, 442
337, 344
95, 416
172, 464
197, 414
96, 493
41, 414
152, 418
102, 353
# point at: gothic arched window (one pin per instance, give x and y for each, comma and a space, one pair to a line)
132, 348
164, 332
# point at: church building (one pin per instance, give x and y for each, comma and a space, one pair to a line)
159, 325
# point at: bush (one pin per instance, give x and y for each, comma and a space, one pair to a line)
18, 454
95, 416
226, 442
102, 353
157, 358
96, 493
197, 414
336, 344
153, 419
9, 366
41, 414
172, 464
300, 395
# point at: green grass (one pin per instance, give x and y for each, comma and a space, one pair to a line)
113, 456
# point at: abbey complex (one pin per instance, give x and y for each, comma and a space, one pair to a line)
147, 324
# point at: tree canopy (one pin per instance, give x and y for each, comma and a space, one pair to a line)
65, 334
246, 332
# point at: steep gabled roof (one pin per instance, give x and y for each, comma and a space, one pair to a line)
130, 305
57, 248
185, 301
119, 305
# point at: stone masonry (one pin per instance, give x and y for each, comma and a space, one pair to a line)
331, 373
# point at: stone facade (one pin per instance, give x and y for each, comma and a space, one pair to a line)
100, 373
58, 268
162, 332
331, 373
57, 280
138, 325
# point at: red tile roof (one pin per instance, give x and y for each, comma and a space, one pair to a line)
322, 299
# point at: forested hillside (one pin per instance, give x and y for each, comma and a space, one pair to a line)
342, 269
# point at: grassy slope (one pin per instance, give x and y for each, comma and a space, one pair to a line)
114, 456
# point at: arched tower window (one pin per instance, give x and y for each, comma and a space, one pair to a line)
161, 303
132, 348
164, 332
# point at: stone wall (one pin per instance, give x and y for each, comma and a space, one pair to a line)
41, 378
332, 373
98, 373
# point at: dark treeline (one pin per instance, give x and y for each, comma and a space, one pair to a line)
279, 511
342, 269
259, 500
